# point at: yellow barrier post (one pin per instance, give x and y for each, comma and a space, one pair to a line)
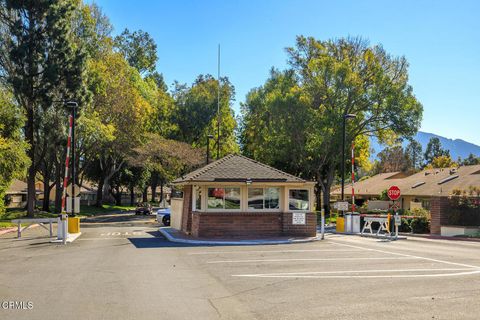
73, 225
340, 227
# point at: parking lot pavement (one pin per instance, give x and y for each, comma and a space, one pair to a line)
121, 268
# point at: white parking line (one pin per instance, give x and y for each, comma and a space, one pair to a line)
350, 271
310, 259
270, 251
434, 275
408, 255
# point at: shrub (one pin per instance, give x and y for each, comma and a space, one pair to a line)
420, 225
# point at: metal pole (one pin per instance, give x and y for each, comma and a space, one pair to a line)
64, 216
353, 178
322, 221
73, 162
343, 156
218, 106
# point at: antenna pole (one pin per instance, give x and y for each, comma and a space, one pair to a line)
218, 106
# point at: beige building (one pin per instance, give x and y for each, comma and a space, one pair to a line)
416, 189
239, 197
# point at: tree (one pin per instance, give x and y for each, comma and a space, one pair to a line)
138, 48
120, 109
441, 162
470, 160
392, 159
434, 150
414, 153
196, 114
338, 77
274, 119
13, 158
40, 62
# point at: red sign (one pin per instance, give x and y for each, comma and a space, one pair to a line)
393, 193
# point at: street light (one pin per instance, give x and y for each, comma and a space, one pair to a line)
73, 105
210, 136
345, 117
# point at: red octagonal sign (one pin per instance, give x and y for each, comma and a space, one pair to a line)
393, 193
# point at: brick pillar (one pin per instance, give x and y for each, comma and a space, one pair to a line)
438, 210
187, 210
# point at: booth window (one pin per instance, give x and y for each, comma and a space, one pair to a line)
263, 198
298, 200
198, 198
224, 198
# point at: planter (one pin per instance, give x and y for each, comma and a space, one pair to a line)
451, 231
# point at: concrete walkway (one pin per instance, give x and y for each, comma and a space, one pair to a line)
174, 235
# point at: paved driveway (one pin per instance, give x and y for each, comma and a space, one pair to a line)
121, 268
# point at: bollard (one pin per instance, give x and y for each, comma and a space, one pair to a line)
322, 221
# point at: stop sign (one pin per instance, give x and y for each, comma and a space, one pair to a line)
393, 193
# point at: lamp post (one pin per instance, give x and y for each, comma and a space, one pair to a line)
345, 117
210, 136
73, 105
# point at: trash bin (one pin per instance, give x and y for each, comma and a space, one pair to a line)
355, 222
340, 224
73, 225
348, 223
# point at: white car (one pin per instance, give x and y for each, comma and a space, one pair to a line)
163, 216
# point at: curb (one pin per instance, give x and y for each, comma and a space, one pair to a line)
8, 230
71, 237
171, 238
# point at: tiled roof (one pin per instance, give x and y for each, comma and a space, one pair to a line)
17, 187
431, 182
237, 168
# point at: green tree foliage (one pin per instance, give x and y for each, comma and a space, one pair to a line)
13, 158
138, 48
196, 114
441, 162
274, 123
40, 61
339, 77
434, 149
413, 152
119, 108
471, 160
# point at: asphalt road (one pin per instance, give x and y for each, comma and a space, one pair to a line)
121, 268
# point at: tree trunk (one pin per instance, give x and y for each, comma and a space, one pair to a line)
58, 188
118, 196
132, 196
31, 195
161, 191
154, 191
145, 194
99, 201
46, 195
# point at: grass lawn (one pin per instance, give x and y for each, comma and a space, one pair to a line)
85, 211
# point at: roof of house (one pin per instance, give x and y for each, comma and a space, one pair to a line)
237, 168
430, 182
17, 187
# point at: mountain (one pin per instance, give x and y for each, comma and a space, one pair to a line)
457, 147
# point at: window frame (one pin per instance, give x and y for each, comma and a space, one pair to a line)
308, 200
208, 209
279, 209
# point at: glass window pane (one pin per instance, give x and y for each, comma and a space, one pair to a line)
215, 198
255, 198
272, 198
232, 198
298, 199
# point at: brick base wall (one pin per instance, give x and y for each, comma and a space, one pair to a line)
438, 211
249, 225
295, 230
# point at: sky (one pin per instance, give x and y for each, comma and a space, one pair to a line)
440, 39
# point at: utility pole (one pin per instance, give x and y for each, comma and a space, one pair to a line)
73, 105
218, 106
